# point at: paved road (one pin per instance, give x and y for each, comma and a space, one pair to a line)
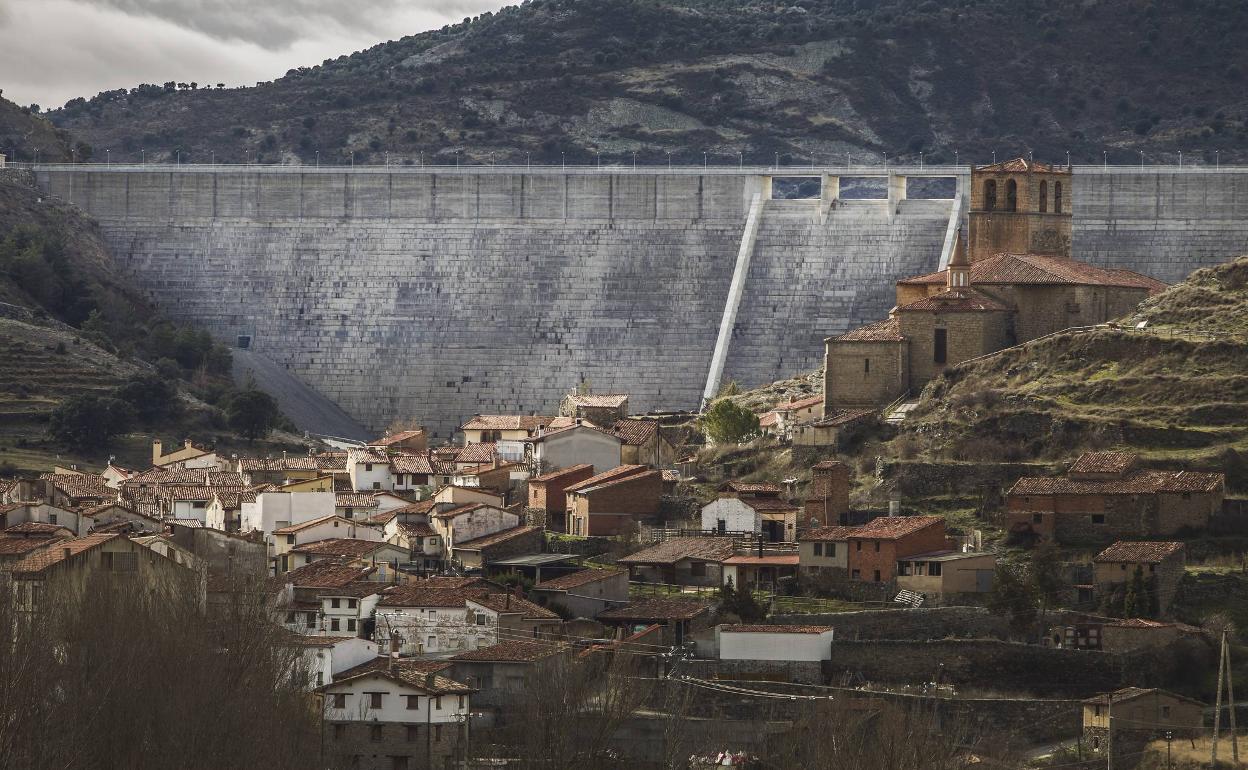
306, 408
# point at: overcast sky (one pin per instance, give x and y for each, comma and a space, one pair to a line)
54, 50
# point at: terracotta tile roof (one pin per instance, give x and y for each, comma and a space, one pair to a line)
340, 546
1141, 552
488, 541
612, 477
39, 561
750, 487
81, 486
1139, 483
888, 330
671, 476
505, 422
454, 581
654, 610
234, 500
20, 546
768, 419
356, 590
894, 527
330, 461
671, 551
408, 672
606, 400
775, 629
773, 560
417, 464
769, 504
506, 603
955, 301
517, 651
560, 473
366, 455
1042, 270
396, 438
354, 500
1019, 165
577, 579
827, 534
300, 463
307, 640
584, 424
417, 529
293, 528
635, 432
195, 494
457, 511
34, 528
477, 454
326, 573
1104, 462
788, 406
422, 595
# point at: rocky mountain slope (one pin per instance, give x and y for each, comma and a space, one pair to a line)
22, 132
1175, 391
556, 80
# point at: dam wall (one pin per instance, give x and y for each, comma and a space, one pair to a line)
435, 294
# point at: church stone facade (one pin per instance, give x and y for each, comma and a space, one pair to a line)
1011, 280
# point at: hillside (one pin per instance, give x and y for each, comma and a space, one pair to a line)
559, 79
1175, 391
22, 132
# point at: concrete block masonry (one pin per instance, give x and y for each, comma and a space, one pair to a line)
435, 294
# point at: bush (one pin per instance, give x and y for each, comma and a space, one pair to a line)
89, 422
252, 413
727, 423
153, 397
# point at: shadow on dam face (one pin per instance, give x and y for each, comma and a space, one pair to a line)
435, 295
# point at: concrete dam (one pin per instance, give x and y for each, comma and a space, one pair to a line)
436, 293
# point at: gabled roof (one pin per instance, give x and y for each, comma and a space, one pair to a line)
22, 545
635, 432
1131, 693
714, 549
750, 487
299, 463
1141, 552
355, 590
366, 455
657, 610
354, 500
894, 527
514, 605
407, 672
518, 651
418, 464
578, 579
340, 546
788, 406
888, 330
605, 400
477, 454
1104, 462
769, 504
486, 541
827, 534
458, 511
81, 486
326, 573
1138, 483
523, 422
39, 561
609, 478
1042, 270
954, 301
568, 429
424, 595
1018, 165
36, 528
396, 438
570, 470
293, 528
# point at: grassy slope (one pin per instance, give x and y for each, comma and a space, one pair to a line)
822, 76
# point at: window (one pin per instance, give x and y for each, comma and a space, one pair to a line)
311, 618
866, 366
368, 466
480, 618
340, 730
290, 540
437, 732
1057, 197
721, 526
1037, 518
121, 562
243, 341
461, 702
351, 604
1044, 197
877, 576
335, 603
437, 703
1011, 195
877, 546
818, 549
290, 617
413, 702
51, 518
856, 575
374, 732
413, 733
990, 195
374, 700
350, 624
857, 545
1096, 711
1098, 518
940, 345
198, 504
933, 568
376, 485
398, 763
333, 625
340, 700
829, 549
1165, 712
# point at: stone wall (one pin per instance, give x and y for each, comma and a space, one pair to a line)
926, 479
917, 624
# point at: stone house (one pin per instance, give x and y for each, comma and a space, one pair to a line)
1146, 712
678, 618
681, 561
612, 501
548, 500
943, 574
480, 552
296, 601
1105, 495
827, 496
386, 557
836, 430
757, 508
1161, 565
781, 420
396, 714
432, 619
876, 548
644, 443
493, 476
600, 409
586, 593
573, 445
16, 544
1012, 280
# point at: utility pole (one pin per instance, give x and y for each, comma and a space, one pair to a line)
1109, 720
1230, 697
1217, 708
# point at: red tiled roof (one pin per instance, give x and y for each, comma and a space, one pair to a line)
606, 400
578, 579
774, 560
354, 500
714, 549
306, 524
417, 464
651, 610
827, 534
888, 330
487, 541
1142, 552
326, 573
768, 419
1040, 270
366, 455
62, 550
894, 527
954, 301
607, 478
477, 454
518, 651
1139, 483
787, 406
395, 438
765, 504
508, 604
408, 672
560, 473
635, 432
19, 546
331, 461
774, 629
35, 528
424, 595
417, 529
300, 463
1104, 462
750, 487
523, 422
340, 546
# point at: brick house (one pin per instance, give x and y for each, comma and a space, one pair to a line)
876, 547
1146, 712
608, 503
827, 497
1012, 280
480, 552
825, 551
1105, 495
682, 561
548, 499
1161, 565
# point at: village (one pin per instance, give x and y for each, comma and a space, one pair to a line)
436, 594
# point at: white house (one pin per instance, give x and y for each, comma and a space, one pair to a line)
758, 508
576, 444
324, 657
387, 690
344, 610
314, 530
786, 643
369, 470
468, 522
274, 510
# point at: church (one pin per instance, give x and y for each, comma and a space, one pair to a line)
1011, 280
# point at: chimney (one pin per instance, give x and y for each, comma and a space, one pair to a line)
894, 508
430, 679
186, 442
157, 448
